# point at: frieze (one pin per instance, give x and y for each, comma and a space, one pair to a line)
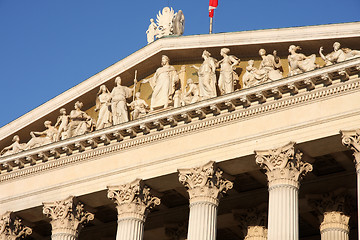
209, 113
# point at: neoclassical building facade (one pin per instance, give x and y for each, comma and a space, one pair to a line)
274, 155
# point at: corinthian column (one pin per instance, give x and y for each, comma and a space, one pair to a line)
205, 186
133, 202
11, 227
252, 221
67, 218
333, 210
351, 139
284, 169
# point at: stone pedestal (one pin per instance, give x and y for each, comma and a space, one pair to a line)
11, 227
133, 201
205, 185
67, 218
284, 169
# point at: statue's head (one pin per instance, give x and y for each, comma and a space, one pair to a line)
16, 138
224, 51
62, 111
103, 88
165, 60
118, 81
189, 81
336, 46
251, 62
151, 20
262, 52
47, 123
78, 105
293, 48
206, 54
137, 95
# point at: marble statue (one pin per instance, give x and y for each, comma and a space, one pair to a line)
80, 122
299, 63
192, 95
163, 84
164, 21
207, 77
152, 31
270, 66
249, 78
139, 107
15, 147
227, 67
167, 23
62, 124
103, 105
178, 23
119, 94
338, 55
42, 138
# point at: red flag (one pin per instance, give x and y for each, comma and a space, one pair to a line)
212, 5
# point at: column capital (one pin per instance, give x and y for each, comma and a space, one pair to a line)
133, 200
351, 139
283, 165
252, 221
205, 183
12, 228
67, 216
335, 221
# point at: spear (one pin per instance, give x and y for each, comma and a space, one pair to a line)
134, 85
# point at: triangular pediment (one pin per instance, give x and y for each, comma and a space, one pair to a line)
187, 50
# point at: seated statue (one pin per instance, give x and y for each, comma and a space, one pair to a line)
192, 95
139, 107
270, 66
42, 138
250, 77
80, 122
299, 63
338, 55
13, 148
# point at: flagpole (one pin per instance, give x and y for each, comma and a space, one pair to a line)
211, 25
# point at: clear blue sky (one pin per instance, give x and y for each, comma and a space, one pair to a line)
49, 46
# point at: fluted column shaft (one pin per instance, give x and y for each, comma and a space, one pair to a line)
283, 222
335, 226
205, 185
284, 170
133, 202
202, 214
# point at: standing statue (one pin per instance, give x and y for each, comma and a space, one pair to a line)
151, 32
227, 67
163, 84
80, 122
38, 139
338, 55
119, 94
103, 103
62, 122
139, 107
299, 63
192, 95
207, 76
178, 23
15, 147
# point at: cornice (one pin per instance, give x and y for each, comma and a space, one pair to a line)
294, 34
216, 112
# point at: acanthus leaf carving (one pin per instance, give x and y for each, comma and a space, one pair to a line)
67, 216
206, 181
283, 163
12, 228
133, 199
351, 139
